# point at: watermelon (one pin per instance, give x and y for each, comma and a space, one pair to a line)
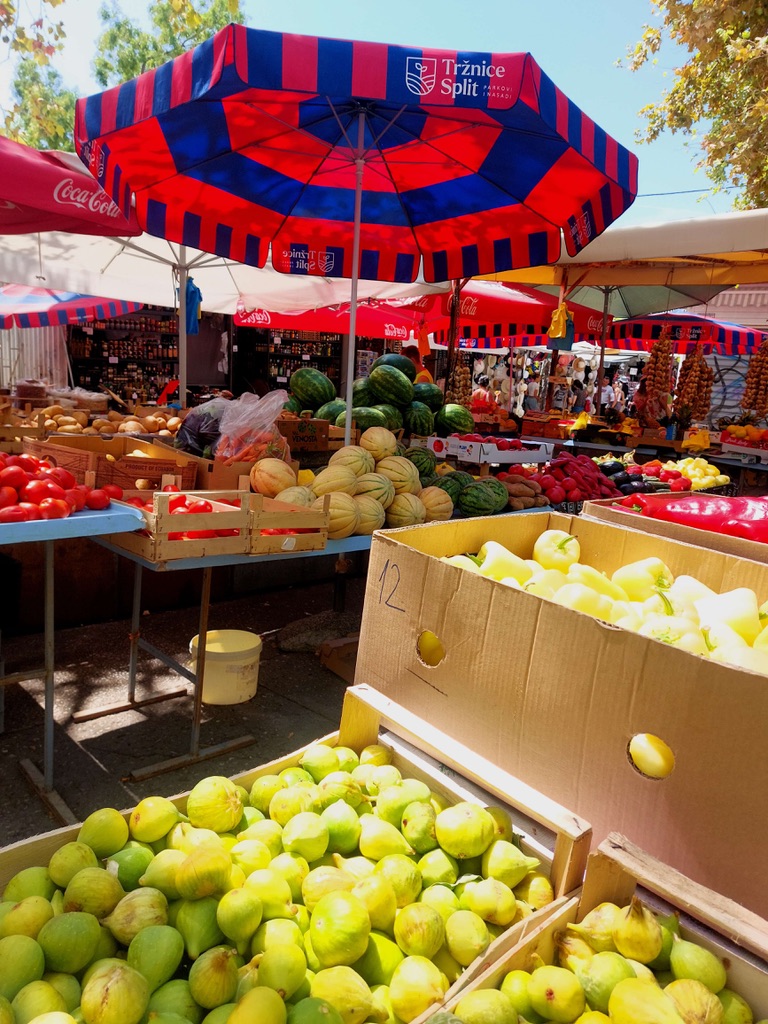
401, 363
364, 417
480, 499
293, 405
453, 419
419, 419
331, 410
462, 477
400, 448
390, 385
431, 480
361, 393
450, 485
430, 394
423, 459
497, 487
393, 415
311, 387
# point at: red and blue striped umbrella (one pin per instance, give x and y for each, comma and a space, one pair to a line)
44, 307
356, 159
685, 330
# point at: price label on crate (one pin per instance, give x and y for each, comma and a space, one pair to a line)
282, 380
305, 356
113, 359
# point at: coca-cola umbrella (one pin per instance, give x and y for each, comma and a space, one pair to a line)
52, 191
489, 315
356, 159
21, 306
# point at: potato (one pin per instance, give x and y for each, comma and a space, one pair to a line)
51, 424
165, 433
150, 424
101, 422
53, 410
90, 431
114, 416
143, 485
70, 428
174, 423
65, 421
107, 428
131, 427
80, 416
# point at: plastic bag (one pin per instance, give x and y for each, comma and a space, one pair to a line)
200, 431
249, 432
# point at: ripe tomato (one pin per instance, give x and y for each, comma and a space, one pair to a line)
54, 508
13, 476
29, 463
200, 505
113, 490
54, 489
171, 487
76, 498
136, 502
178, 502
34, 491
98, 499
63, 477
33, 511
200, 534
13, 514
8, 497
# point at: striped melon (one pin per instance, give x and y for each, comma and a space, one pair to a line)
270, 476
437, 502
379, 441
297, 496
403, 474
335, 478
344, 514
376, 486
406, 510
353, 457
372, 514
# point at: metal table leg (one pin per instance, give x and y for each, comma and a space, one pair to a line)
133, 661
197, 677
43, 784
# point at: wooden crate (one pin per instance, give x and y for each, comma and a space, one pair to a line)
615, 873
305, 434
155, 543
546, 830
270, 514
110, 459
12, 436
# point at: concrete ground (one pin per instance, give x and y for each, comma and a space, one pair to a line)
297, 701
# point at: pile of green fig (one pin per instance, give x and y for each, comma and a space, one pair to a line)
334, 892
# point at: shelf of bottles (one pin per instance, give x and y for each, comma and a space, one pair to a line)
134, 354
287, 351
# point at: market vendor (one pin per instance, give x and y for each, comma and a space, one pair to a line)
578, 399
423, 376
531, 397
650, 409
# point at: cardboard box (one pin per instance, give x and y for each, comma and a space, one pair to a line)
340, 656
111, 461
618, 871
610, 511
481, 453
304, 434
554, 696
544, 829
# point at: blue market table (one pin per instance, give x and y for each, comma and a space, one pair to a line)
82, 524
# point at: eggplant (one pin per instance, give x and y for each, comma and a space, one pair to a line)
621, 478
611, 468
638, 487
628, 488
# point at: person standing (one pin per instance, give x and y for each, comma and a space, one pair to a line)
531, 398
578, 397
607, 397
423, 376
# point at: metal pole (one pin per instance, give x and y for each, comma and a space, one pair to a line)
453, 329
603, 337
49, 663
133, 656
202, 642
183, 273
359, 165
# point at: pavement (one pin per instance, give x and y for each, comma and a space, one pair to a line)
297, 700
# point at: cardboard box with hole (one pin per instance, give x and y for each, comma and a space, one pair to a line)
554, 696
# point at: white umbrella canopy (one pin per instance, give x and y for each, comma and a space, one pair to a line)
149, 270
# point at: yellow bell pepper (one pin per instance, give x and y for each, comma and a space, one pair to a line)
644, 578
305, 477
462, 562
688, 589
663, 603
556, 549
675, 631
754, 660
584, 599
736, 608
720, 635
545, 582
497, 562
598, 581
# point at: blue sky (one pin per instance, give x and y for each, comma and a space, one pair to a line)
576, 42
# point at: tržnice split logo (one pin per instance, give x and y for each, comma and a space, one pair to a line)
325, 262
420, 74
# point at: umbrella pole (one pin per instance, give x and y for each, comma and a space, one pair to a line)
183, 326
453, 330
603, 338
359, 164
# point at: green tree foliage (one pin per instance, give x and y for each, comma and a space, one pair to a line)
720, 94
38, 40
43, 111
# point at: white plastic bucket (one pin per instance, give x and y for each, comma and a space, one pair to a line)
231, 665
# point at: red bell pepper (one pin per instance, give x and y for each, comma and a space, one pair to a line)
680, 483
735, 517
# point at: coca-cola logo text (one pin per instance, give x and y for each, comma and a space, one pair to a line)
68, 193
595, 323
468, 306
393, 331
254, 316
